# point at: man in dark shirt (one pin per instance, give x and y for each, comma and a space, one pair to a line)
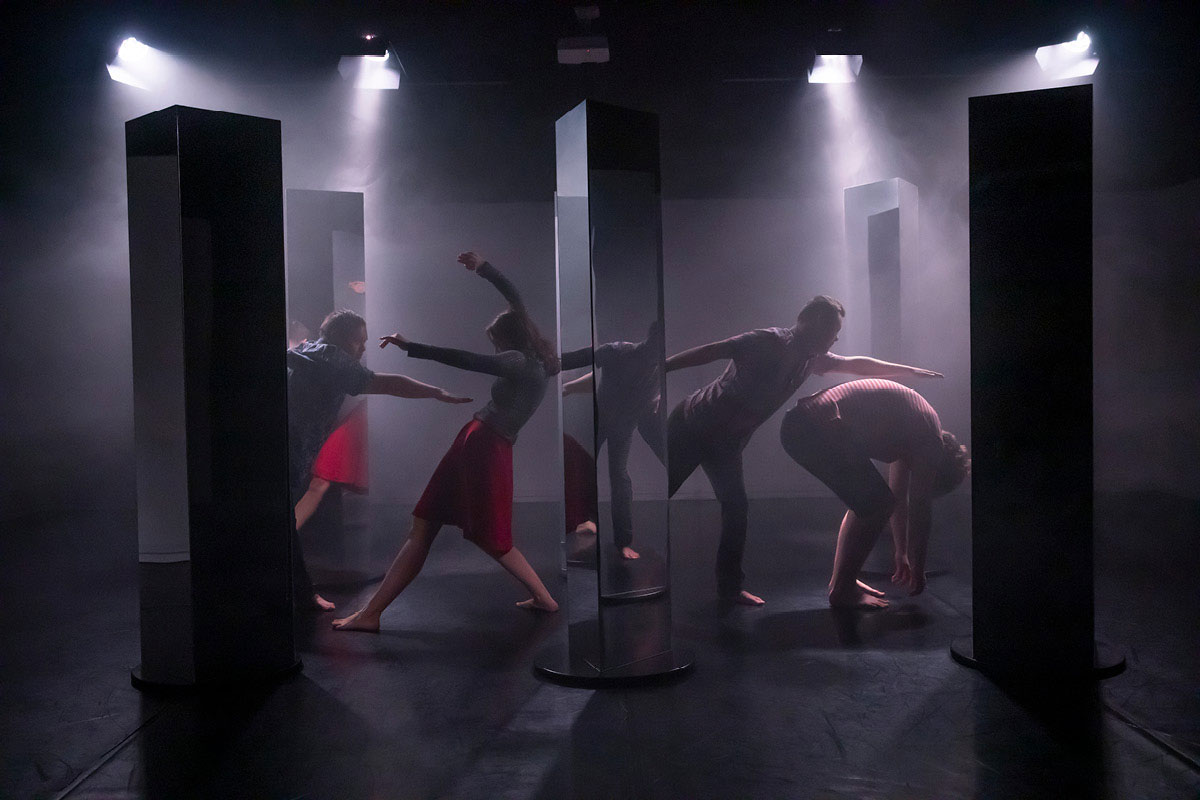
835, 434
711, 427
320, 375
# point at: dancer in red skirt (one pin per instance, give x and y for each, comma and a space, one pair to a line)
472, 487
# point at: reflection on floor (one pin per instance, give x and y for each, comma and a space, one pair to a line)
786, 701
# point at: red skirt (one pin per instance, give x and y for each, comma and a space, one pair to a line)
343, 457
472, 488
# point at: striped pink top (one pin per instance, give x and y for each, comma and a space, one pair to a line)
892, 421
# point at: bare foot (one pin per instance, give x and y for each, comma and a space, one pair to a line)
629, 553
586, 527
358, 621
533, 604
856, 598
869, 589
744, 598
321, 604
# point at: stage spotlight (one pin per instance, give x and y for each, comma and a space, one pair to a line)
1073, 59
370, 72
138, 64
369, 64
131, 50
835, 69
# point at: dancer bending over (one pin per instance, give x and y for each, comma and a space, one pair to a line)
320, 375
472, 486
835, 434
713, 425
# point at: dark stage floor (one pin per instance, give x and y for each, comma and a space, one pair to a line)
786, 701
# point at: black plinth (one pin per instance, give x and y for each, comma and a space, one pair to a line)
243, 682
1107, 662
1031, 381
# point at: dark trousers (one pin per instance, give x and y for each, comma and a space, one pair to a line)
721, 459
619, 442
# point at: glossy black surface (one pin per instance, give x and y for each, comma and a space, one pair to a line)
786, 701
1031, 380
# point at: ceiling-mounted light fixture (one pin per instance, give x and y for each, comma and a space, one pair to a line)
1073, 59
835, 69
372, 64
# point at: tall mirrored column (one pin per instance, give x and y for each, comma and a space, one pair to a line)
882, 240
616, 531
326, 271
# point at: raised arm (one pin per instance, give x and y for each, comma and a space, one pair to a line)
506, 364
404, 386
477, 264
867, 367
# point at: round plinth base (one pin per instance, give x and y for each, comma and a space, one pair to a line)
634, 595
1109, 661
141, 684
555, 664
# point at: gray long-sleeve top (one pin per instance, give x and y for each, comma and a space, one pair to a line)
520, 377
630, 380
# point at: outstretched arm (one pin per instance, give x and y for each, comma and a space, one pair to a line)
581, 385
704, 354
477, 264
508, 363
404, 386
867, 367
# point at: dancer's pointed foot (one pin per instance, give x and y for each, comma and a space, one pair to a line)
358, 621
869, 589
856, 598
744, 598
533, 604
321, 604
629, 553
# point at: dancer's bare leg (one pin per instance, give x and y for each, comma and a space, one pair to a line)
305, 508
519, 568
310, 501
404, 568
855, 540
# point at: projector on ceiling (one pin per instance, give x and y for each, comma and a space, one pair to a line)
583, 50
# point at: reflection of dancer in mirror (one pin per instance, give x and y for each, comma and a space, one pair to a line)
834, 434
472, 487
712, 426
320, 375
627, 400
298, 333
342, 460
